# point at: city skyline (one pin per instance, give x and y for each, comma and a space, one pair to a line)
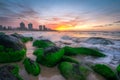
82, 15
23, 27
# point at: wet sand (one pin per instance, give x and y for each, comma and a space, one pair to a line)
48, 73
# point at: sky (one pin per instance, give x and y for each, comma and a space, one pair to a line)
82, 15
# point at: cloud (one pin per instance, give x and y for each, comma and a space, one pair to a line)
117, 22
105, 25
14, 10
4, 18
99, 26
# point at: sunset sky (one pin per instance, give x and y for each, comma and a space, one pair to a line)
83, 15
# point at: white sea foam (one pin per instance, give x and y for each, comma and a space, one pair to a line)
77, 39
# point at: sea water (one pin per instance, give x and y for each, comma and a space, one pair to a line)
75, 39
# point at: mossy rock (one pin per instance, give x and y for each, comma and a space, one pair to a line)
8, 55
73, 71
26, 39
82, 50
43, 43
49, 58
38, 51
9, 41
69, 59
17, 35
11, 49
9, 72
22, 38
118, 70
2, 33
32, 67
105, 71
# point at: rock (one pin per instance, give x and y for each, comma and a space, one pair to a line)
17, 35
9, 72
51, 49
82, 50
118, 71
43, 43
76, 40
105, 71
32, 67
11, 49
50, 56
99, 40
11, 42
22, 38
73, 71
66, 38
66, 43
69, 59
2, 33
62, 43
26, 39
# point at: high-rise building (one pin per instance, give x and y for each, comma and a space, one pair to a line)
30, 26
1, 27
40, 27
22, 26
44, 28
9, 28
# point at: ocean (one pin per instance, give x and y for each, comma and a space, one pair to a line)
109, 44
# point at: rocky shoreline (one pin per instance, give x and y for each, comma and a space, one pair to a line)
50, 60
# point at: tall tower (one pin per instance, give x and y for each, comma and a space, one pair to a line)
44, 28
1, 27
30, 26
40, 27
22, 26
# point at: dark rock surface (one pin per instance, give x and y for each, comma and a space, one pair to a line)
17, 35
51, 49
11, 42
7, 72
99, 40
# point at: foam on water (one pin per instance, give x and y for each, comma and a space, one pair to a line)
77, 39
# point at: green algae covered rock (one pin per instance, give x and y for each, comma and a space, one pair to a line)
73, 71
32, 67
38, 51
118, 70
11, 42
11, 49
105, 71
9, 72
50, 56
9, 55
26, 39
22, 38
82, 50
2, 33
69, 59
43, 43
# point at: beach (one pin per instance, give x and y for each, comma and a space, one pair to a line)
73, 39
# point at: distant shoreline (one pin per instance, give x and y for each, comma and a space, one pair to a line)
26, 31
54, 31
